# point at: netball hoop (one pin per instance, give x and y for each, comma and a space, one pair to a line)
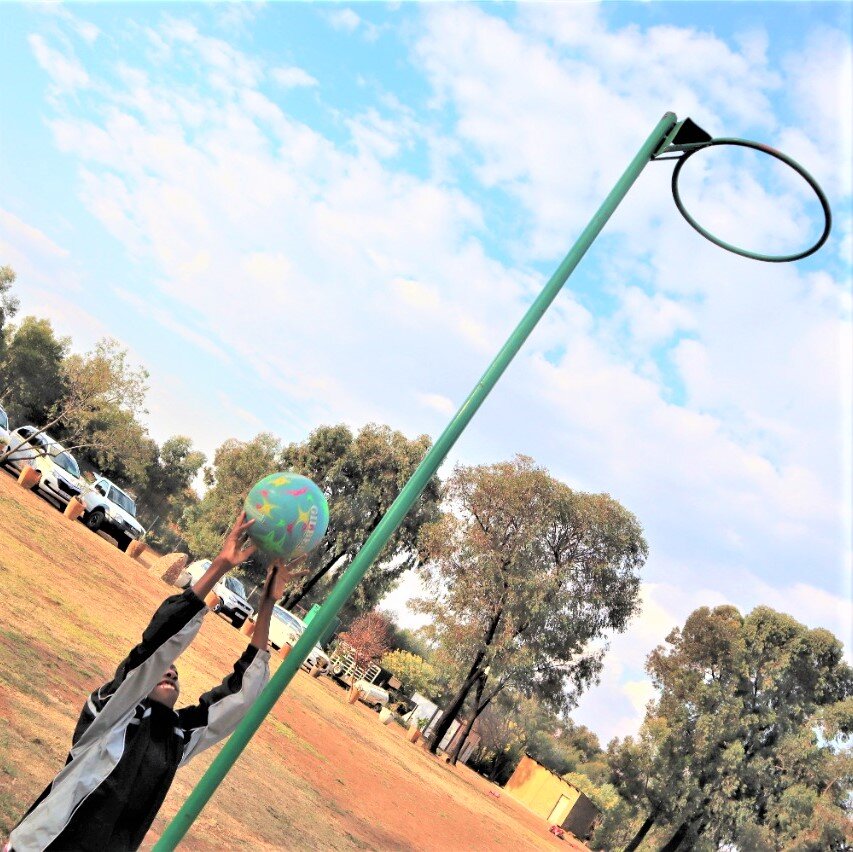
690, 139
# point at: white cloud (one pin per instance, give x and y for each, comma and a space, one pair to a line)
169, 322
438, 402
65, 71
344, 19
292, 77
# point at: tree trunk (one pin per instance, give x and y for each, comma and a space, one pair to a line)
293, 597
677, 839
479, 707
461, 739
497, 766
643, 831
452, 710
450, 714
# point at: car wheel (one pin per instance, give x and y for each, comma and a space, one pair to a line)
337, 670
377, 707
237, 621
123, 541
95, 519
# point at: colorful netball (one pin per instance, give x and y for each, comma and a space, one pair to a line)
290, 513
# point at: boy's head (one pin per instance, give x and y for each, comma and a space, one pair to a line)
168, 689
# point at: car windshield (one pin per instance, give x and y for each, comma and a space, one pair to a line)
288, 619
235, 586
4, 420
121, 499
67, 463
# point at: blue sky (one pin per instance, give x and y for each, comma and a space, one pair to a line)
298, 214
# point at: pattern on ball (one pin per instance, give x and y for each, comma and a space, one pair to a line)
290, 514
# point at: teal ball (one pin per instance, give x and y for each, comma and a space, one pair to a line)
290, 515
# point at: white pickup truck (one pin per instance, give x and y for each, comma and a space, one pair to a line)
112, 510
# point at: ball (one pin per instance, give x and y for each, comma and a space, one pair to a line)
290, 514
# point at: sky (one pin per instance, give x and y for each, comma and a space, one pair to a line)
300, 214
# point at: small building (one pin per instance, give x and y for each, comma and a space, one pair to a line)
550, 797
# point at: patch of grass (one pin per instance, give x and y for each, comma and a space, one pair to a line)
358, 842
291, 735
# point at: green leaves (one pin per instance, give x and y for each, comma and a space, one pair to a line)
360, 475
730, 751
524, 574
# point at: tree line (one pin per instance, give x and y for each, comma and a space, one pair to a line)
525, 580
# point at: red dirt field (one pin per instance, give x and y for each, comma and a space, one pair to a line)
319, 774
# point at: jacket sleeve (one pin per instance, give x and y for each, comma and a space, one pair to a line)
220, 710
171, 630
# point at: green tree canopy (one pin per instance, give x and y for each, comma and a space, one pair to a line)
739, 747
32, 378
165, 490
524, 575
414, 672
8, 303
237, 466
361, 476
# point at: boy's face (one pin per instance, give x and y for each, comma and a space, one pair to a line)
167, 691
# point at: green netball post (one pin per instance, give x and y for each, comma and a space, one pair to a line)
668, 136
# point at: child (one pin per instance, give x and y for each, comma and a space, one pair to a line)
129, 741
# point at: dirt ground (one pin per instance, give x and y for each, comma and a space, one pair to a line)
319, 774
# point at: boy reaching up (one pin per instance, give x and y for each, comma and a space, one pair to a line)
130, 741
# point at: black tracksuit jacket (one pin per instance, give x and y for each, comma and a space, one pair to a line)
126, 748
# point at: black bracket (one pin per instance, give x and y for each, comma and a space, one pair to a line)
685, 136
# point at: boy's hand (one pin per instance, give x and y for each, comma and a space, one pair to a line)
233, 552
280, 574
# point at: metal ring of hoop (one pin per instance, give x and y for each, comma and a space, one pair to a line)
745, 143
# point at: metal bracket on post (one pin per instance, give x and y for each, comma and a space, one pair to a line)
685, 136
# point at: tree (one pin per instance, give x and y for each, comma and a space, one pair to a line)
741, 746
361, 476
31, 372
367, 639
91, 402
525, 574
414, 672
8, 303
165, 491
237, 466
406, 639
103, 397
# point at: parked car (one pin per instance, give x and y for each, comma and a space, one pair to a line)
4, 428
285, 628
111, 510
316, 657
25, 443
229, 589
60, 477
232, 593
371, 694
